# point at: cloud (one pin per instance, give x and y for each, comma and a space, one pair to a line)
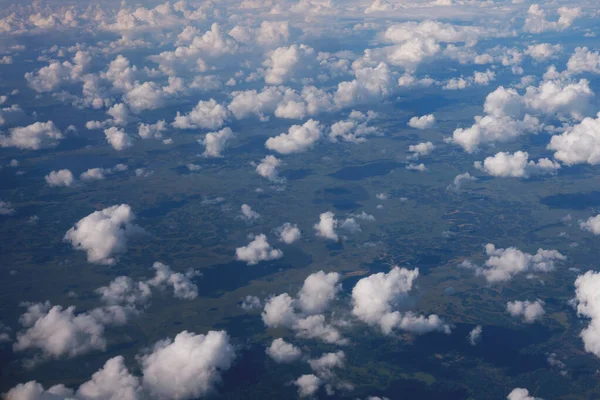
60, 178
149, 131
373, 299
118, 138
421, 149
185, 368
423, 122
289, 233
93, 174
307, 385
279, 311
250, 303
354, 129
459, 181
188, 366
183, 287
592, 224
248, 214
416, 167
536, 19
206, 115
504, 264
282, 352
298, 139
39, 135
268, 168
528, 310
579, 144
315, 296
516, 165
112, 382
125, 291
510, 115
583, 60
257, 250
282, 62
587, 287
318, 290
543, 51
6, 208
326, 226
323, 365
216, 142
521, 394
59, 332
475, 335
102, 234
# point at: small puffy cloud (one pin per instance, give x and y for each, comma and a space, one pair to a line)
373, 299
355, 129
60, 178
516, 165
529, 311
490, 129
183, 287
475, 335
102, 234
93, 174
421, 149
423, 122
279, 311
318, 290
543, 51
521, 394
250, 303
248, 214
350, 225
59, 332
323, 365
120, 114
587, 287
459, 181
283, 352
6, 208
125, 291
268, 168
111, 382
326, 226
315, 327
118, 138
298, 139
583, 60
307, 385
504, 264
216, 142
592, 224
289, 233
206, 115
39, 135
416, 167
188, 366
148, 131
536, 21
257, 250
579, 144
282, 62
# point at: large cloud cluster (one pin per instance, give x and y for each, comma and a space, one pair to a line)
184, 368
